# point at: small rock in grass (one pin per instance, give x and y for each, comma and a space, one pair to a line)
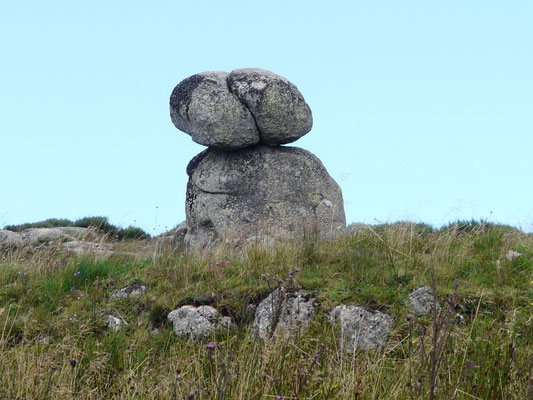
511, 255
421, 300
361, 328
283, 314
135, 289
197, 322
43, 339
114, 323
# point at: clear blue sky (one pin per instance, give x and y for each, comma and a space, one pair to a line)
423, 110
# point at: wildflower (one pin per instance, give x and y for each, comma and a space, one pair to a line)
25, 274
413, 341
211, 346
72, 362
315, 357
410, 317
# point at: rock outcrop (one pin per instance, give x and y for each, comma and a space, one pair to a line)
247, 186
8, 238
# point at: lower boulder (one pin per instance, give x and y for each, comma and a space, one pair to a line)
260, 192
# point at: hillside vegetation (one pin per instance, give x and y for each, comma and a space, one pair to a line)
100, 223
54, 343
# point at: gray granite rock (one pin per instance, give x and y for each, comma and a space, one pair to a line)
420, 301
197, 322
114, 323
203, 106
9, 238
135, 289
279, 109
260, 192
40, 235
361, 328
283, 314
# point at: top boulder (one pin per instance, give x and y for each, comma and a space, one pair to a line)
240, 109
203, 106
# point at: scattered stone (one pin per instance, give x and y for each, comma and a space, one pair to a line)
44, 339
511, 255
260, 192
278, 107
283, 314
361, 328
204, 107
421, 300
114, 323
135, 289
9, 238
155, 331
197, 322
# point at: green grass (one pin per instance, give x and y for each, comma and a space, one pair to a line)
66, 298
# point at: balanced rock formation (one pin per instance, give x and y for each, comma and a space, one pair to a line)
246, 185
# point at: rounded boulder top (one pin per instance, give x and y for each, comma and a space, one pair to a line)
280, 111
240, 109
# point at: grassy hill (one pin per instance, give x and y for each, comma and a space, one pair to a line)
54, 343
